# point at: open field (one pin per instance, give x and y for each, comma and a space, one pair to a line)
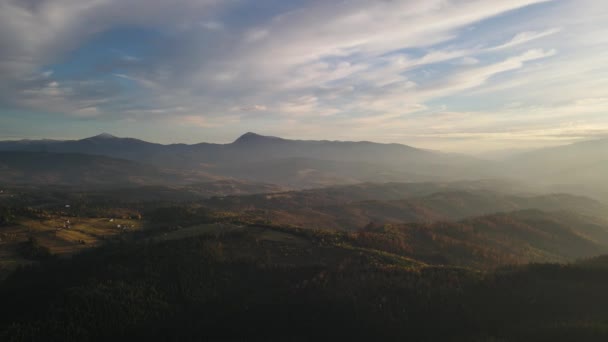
62, 235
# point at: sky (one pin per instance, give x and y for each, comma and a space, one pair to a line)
454, 75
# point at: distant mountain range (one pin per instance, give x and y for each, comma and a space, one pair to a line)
579, 168
295, 163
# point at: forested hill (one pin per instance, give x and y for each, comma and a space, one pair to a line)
229, 287
425, 262
347, 208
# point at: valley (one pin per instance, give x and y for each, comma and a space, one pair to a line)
265, 225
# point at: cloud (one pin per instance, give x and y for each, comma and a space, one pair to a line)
252, 108
256, 35
212, 25
357, 67
141, 81
475, 77
525, 37
468, 61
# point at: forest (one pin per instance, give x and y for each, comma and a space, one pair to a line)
197, 270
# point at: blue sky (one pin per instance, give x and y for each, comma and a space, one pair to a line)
455, 75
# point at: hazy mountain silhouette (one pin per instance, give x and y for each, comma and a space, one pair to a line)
578, 168
62, 168
272, 159
563, 157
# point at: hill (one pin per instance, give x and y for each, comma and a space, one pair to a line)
230, 286
161, 263
353, 207
521, 237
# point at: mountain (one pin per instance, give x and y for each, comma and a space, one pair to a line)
578, 168
251, 138
271, 159
564, 157
103, 144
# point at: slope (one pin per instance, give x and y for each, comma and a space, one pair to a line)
518, 237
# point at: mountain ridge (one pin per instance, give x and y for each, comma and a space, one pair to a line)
314, 163
322, 161
248, 136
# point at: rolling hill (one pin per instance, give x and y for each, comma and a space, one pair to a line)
229, 286
223, 268
519, 237
353, 207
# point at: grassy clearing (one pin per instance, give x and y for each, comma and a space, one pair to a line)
59, 236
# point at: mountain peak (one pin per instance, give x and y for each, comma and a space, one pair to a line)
251, 137
103, 136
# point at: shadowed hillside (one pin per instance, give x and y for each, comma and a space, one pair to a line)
228, 287
75, 169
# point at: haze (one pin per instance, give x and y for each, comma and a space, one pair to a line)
466, 76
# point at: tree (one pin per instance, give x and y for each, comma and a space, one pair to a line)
32, 249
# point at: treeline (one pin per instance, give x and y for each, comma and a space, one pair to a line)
489, 241
194, 289
10, 214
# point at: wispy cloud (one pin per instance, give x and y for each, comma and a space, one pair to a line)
525, 37
365, 69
